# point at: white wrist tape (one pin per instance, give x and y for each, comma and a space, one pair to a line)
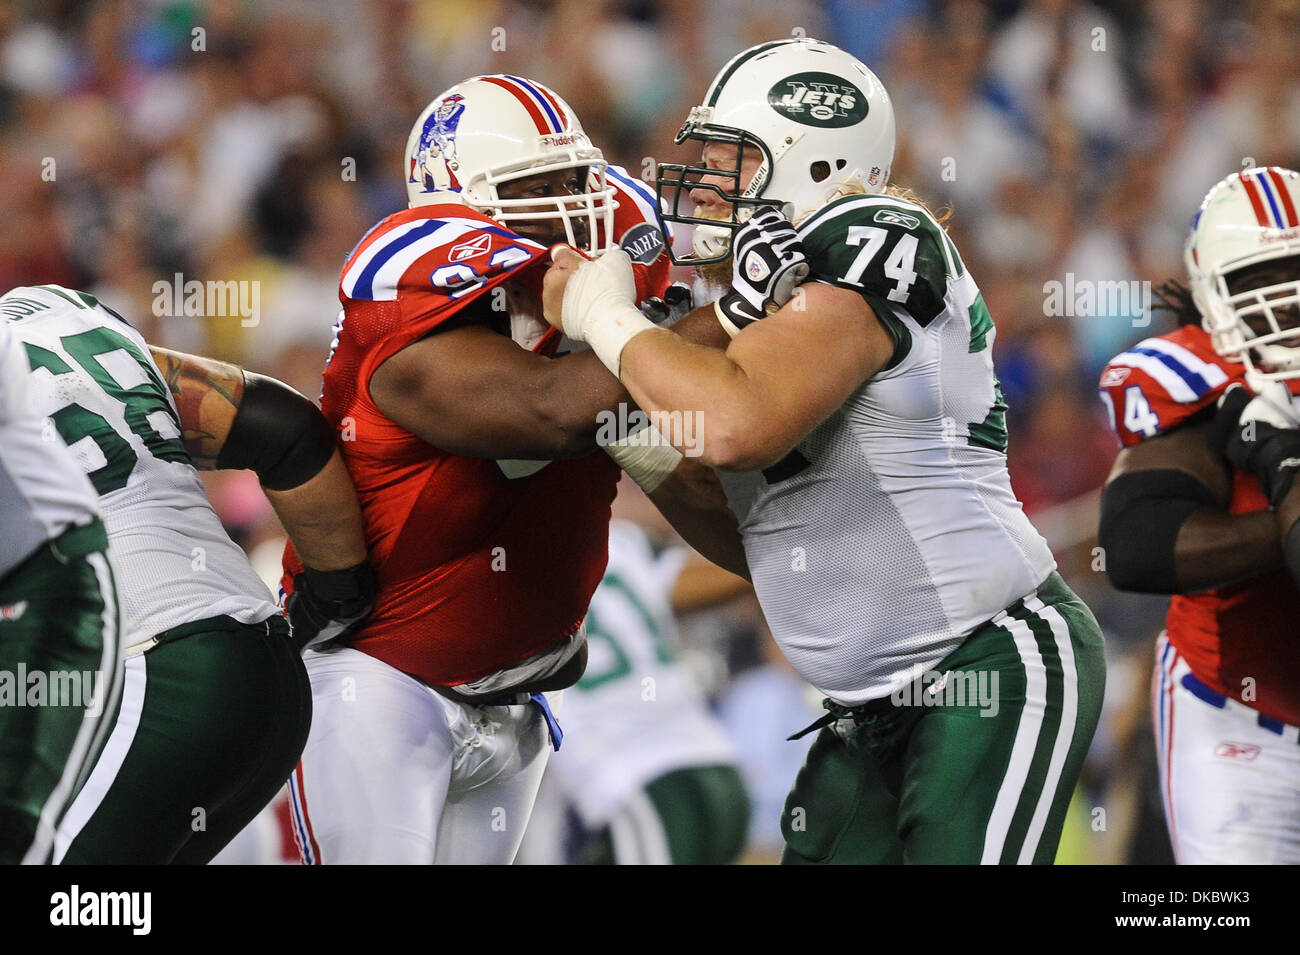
646, 456
609, 332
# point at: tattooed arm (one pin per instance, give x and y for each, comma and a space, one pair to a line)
207, 394
233, 419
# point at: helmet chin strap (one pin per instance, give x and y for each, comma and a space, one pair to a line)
711, 240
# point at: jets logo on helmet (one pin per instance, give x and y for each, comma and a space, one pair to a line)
815, 117
818, 99
491, 130
1248, 221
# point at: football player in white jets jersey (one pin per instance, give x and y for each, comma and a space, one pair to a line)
60, 668
858, 432
215, 704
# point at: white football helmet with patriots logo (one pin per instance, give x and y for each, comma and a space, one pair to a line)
491, 130
817, 117
1248, 219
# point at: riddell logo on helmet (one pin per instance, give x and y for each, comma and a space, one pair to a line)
1279, 235
555, 140
818, 99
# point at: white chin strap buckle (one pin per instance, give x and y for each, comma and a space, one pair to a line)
711, 240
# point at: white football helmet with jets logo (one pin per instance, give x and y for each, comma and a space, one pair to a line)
490, 130
1246, 220
817, 117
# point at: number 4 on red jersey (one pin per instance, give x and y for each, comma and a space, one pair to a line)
1161, 382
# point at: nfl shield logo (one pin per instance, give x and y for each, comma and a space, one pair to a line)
756, 268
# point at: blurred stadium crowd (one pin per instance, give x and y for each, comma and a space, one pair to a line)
227, 140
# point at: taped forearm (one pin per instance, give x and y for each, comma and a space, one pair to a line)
646, 456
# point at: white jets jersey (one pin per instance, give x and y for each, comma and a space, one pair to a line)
891, 532
42, 491
92, 376
636, 714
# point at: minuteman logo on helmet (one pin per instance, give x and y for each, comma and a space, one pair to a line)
818, 99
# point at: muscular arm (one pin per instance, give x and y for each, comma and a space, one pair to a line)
1211, 548
475, 392
208, 395
691, 500
703, 584
470, 390
319, 510
776, 381
701, 326
1288, 531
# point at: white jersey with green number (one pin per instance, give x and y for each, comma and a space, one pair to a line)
637, 713
891, 532
94, 379
42, 491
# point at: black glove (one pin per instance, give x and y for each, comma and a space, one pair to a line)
670, 309
329, 604
1256, 437
767, 265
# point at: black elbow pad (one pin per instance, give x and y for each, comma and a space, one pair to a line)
277, 433
1141, 514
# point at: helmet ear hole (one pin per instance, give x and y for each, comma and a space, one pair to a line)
820, 170
840, 164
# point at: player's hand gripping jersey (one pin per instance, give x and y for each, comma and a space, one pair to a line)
1242, 635
481, 563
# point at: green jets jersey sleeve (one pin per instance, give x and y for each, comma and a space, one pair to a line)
889, 251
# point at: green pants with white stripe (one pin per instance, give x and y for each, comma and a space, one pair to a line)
212, 722
60, 674
975, 762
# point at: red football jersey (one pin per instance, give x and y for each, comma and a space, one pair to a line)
1236, 637
481, 563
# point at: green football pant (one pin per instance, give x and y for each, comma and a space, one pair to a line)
60, 673
974, 767
693, 816
212, 722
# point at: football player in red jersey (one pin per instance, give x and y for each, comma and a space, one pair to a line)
484, 494
1201, 505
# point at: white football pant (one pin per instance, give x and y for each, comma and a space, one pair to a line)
1229, 777
394, 772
